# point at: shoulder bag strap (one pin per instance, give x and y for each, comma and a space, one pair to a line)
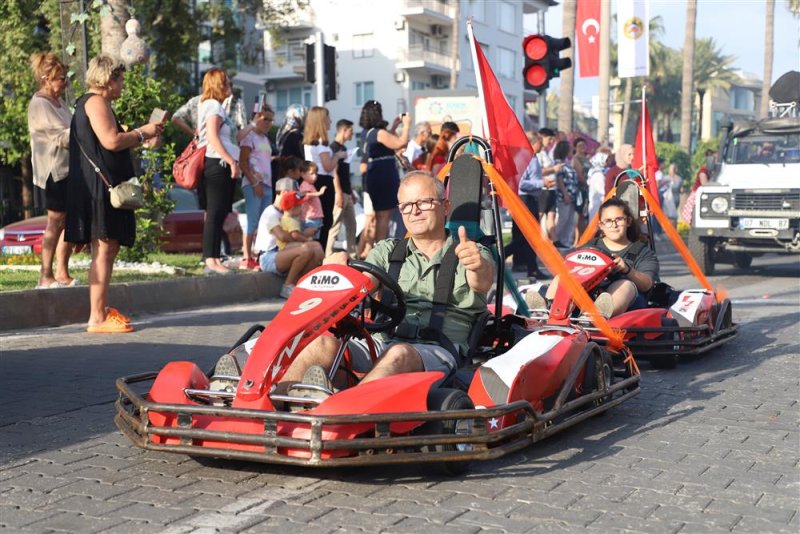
94, 165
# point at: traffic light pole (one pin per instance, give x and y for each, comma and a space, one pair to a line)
319, 69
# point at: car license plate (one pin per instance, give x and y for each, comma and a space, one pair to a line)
17, 249
775, 224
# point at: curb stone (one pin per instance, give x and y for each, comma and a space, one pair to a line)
53, 307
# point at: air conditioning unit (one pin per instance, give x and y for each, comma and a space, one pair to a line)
440, 82
437, 30
399, 76
400, 24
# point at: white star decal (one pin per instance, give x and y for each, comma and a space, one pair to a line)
493, 423
592, 39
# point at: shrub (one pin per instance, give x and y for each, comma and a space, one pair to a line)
672, 153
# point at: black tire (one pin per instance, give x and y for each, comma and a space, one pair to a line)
742, 260
703, 251
668, 361
443, 399
604, 376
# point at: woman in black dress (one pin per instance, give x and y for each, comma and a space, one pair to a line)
383, 180
96, 134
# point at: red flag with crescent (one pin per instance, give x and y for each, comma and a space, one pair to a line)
587, 33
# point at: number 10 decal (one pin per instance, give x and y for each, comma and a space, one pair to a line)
306, 305
583, 271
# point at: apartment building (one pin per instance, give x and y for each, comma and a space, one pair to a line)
390, 50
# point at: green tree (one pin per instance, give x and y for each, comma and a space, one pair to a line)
21, 33
711, 70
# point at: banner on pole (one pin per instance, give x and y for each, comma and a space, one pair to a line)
633, 38
587, 32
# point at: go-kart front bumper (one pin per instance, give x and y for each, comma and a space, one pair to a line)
377, 446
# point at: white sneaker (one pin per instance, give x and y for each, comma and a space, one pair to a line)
535, 300
286, 290
605, 305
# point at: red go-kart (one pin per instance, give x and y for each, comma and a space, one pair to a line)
523, 380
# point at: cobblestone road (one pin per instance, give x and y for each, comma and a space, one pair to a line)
711, 446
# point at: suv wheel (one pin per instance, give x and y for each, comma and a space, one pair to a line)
703, 252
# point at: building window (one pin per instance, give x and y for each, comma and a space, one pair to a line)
362, 45
506, 17
292, 95
364, 91
512, 102
742, 99
419, 86
506, 60
476, 9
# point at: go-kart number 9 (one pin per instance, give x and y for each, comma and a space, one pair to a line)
306, 305
583, 271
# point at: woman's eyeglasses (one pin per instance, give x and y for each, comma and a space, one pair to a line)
609, 223
423, 204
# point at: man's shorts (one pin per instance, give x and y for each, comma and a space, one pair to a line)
434, 357
267, 263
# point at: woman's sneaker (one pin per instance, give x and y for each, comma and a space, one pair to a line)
535, 301
605, 305
286, 290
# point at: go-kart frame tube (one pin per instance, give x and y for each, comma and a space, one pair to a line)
132, 419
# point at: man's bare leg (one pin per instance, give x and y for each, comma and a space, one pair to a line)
399, 358
320, 352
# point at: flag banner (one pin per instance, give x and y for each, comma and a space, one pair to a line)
510, 146
587, 33
633, 38
644, 153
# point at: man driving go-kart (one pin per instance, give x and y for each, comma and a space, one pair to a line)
635, 267
419, 343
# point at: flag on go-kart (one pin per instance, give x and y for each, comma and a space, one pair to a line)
510, 146
644, 153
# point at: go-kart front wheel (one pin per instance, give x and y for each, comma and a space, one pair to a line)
444, 399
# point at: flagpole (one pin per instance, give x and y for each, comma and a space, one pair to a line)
484, 117
644, 141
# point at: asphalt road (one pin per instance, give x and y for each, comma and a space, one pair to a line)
710, 446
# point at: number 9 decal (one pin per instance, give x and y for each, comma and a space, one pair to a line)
304, 306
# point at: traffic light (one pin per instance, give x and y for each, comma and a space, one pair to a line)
329, 69
542, 60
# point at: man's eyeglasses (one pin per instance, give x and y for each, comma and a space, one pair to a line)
423, 204
608, 223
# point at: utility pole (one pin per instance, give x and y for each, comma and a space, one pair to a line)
543, 93
319, 68
605, 71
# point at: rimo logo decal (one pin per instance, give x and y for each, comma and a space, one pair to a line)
325, 281
585, 258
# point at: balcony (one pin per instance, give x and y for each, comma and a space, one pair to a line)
427, 12
423, 58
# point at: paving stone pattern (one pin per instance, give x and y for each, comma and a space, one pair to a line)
711, 446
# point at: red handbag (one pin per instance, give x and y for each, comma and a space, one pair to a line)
187, 171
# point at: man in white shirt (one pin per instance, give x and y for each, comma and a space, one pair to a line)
291, 262
418, 144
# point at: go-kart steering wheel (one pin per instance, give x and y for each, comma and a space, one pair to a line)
386, 316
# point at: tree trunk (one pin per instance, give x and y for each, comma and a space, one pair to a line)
769, 37
701, 93
112, 27
605, 71
565, 101
687, 87
626, 110
454, 47
27, 187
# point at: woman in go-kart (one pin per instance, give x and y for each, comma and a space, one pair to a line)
635, 266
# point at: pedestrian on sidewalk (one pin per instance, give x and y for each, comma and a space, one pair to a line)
48, 123
97, 141
316, 150
344, 212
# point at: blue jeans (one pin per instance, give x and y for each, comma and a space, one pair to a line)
255, 206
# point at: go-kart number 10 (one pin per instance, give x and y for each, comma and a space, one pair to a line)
583, 271
306, 305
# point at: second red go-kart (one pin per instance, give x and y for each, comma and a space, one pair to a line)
523, 380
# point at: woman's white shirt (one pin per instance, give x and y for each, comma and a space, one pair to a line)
227, 131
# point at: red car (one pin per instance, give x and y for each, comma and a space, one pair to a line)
184, 230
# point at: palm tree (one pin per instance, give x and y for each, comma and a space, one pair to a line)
687, 87
565, 105
769, 37
664, 85
712, 70
112, 27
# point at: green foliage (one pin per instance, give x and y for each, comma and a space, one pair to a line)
673, 153
699, 156
19, 38
140, 95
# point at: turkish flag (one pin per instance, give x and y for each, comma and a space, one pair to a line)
510, 146
644, 153
587, 32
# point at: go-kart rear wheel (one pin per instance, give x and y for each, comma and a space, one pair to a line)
668, 361
604, 376
443, 399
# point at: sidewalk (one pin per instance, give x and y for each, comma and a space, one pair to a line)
52, 307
